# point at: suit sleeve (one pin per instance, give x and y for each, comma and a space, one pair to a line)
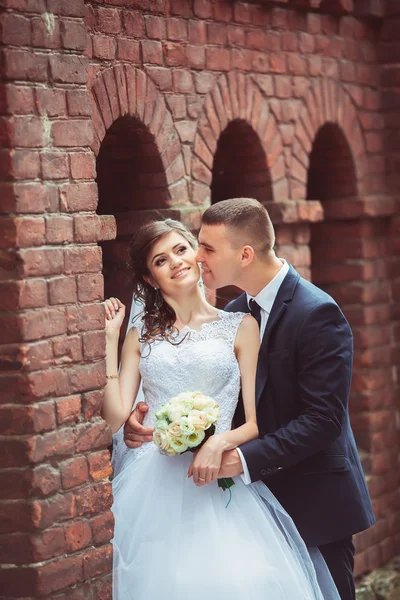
324, 354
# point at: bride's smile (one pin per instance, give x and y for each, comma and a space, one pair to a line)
180, 273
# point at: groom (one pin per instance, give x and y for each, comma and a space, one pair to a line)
305, 453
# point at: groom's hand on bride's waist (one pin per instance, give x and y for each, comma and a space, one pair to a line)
134, 432
231, 464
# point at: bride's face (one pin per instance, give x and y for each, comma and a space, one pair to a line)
172, 264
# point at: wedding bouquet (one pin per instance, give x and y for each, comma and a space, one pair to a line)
185, 423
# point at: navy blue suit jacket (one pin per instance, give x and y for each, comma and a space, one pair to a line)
306, 452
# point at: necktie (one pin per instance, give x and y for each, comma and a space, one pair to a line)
255, 310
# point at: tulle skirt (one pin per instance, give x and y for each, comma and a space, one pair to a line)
175, 540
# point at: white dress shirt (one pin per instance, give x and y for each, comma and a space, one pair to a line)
265, 299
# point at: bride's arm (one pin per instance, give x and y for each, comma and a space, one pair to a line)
207, 462
120, 392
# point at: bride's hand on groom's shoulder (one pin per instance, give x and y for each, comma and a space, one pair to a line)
115, 314
134, 432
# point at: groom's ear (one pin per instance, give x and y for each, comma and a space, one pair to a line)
247, 256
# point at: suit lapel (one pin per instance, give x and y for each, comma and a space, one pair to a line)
283, 297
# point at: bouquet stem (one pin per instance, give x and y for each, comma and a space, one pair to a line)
225, 484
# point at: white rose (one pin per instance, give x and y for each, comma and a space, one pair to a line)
201, 402
212, 414
170, 451
176, 410
174, 430
178, 444
160, 438
186, 426
198, 419
194, 439
162, 413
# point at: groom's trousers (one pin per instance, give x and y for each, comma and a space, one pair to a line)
339, 556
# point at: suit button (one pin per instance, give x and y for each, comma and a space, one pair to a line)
279, 469
263, 472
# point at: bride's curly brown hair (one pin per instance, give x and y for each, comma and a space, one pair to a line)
158, 317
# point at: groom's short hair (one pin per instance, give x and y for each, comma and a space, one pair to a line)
248, 218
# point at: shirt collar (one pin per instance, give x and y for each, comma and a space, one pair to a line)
266, 297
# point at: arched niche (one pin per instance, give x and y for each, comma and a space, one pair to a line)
331, 172
240, 170
130, 173
240, 165
131, 184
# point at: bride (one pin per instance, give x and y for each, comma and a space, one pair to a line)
174, 536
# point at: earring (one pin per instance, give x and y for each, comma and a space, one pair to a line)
158, 299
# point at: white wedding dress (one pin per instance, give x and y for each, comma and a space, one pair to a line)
177, 541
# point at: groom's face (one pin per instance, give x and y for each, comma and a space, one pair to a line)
219, 258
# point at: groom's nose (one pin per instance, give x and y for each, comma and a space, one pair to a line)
199, 256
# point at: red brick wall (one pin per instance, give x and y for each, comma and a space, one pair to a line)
55, 497
179, 103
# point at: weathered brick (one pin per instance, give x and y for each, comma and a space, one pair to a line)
93, 436
72, 133
133, 23
44, 261
94, 345
54, 165
152, 52
108, 20
90, 287
67, 349
62, 290
28, 132
16, 30
25, 164
45, 33
218, 59
50, 102
78, 103
102, 527
74, 472
91, 404
25, 65
86, 228
68, 68
128, 50
97, 561
177, 29
78, 535
83, 260
83, 379
197, 32
20, 100
78, 196
68, 410
73, 34
59, 229
104, 47
29, 231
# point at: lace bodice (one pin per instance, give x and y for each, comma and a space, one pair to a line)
203, 361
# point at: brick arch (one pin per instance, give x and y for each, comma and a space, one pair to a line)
236, 97
122, 91
327, 102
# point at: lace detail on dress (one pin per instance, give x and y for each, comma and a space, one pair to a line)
204, 360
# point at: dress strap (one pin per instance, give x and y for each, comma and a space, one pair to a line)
230, 323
